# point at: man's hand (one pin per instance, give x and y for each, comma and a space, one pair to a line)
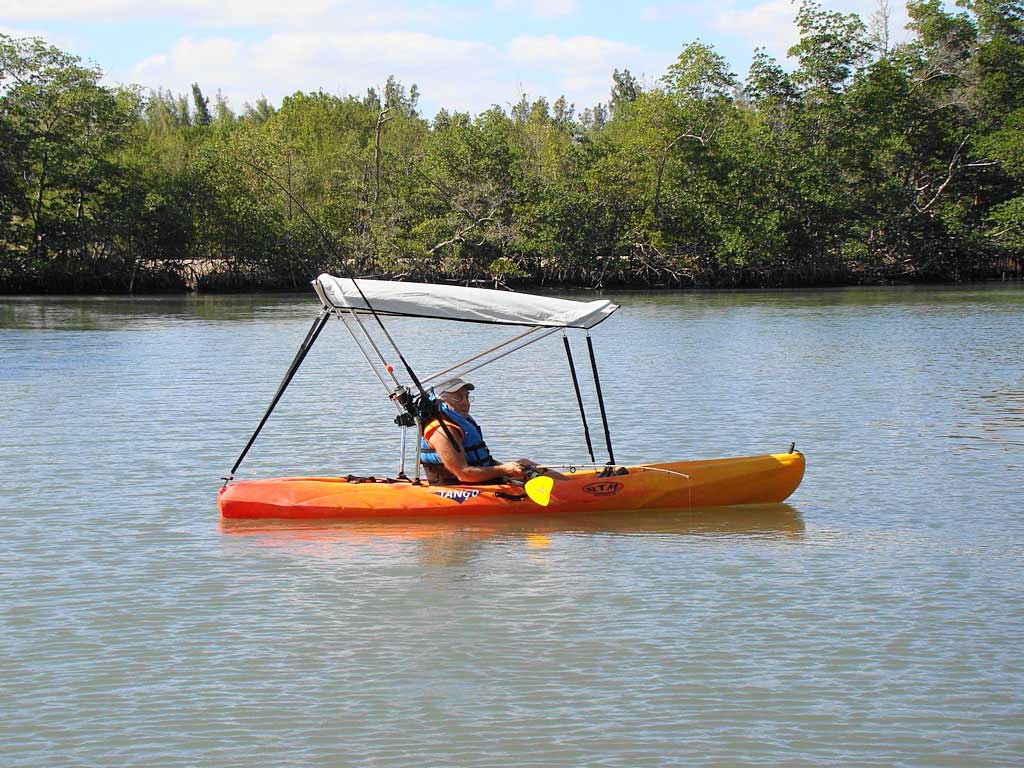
513, 470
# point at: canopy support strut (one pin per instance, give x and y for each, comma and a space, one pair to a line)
600, 400
579, 397
307, 344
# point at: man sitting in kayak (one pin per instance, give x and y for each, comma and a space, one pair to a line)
469, 461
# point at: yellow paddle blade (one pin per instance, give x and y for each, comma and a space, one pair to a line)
539, 489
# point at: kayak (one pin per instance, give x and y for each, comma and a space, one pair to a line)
674, 485
420, 400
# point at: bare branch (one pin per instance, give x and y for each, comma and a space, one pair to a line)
460, 236
949, 177
382, 118
664, 159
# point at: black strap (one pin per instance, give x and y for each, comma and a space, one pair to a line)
600, 400
579, 397
307, 344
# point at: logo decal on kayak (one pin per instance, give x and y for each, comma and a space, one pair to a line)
459, 496
603, 489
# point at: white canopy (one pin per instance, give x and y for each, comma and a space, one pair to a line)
455, 302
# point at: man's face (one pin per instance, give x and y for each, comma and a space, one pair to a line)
458, 400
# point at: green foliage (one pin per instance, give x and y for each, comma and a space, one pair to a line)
201, 105
866, 163
832, 47
625, 90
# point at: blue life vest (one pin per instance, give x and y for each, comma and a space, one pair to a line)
477, 453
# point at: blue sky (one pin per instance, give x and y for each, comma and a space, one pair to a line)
463, 55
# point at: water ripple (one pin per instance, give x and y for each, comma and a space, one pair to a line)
874, 621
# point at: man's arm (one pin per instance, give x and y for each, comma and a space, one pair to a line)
455, 462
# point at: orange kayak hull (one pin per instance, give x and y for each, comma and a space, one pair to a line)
676, 485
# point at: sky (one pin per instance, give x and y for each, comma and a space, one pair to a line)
462, 55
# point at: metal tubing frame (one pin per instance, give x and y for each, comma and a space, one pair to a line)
376, 349
369, 362
505, 343
362, 349
516, 343
520, 338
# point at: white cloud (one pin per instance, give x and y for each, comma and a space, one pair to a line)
214, 60
539, 9
456, 74
338, 63
15, 32
769, 25
100, 10
240, 13
548, 50
579, 67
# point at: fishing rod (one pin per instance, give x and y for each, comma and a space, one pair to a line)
427, 408
640, 467
328, 246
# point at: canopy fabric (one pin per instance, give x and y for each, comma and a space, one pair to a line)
455, 302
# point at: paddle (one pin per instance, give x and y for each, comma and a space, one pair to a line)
538, 486
539, 489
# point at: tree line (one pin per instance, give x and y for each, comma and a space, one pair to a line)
865, 162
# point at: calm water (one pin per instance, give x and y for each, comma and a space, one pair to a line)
875, 620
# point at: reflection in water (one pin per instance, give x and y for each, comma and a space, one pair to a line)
100, 313
456, 540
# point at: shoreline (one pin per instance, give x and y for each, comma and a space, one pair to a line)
529, 288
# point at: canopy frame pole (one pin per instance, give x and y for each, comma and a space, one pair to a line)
376, 350
362, 349
366, 356
579, 397
600, 400
458, 367
419, 458
300, 355
401, 393
505, 343
401, 460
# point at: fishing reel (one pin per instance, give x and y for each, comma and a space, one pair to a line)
405, 420
410, 410
425, 408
